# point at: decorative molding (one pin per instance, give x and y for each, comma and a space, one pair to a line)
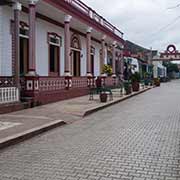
75, 41
114, 43
33, 2
67, 18
17, 6
57, 39
89, 29
104, 37
92, 50
57, 23
7, 82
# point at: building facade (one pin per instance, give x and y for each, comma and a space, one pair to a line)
141, 55
52, 50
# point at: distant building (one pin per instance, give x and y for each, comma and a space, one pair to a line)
141, 55
159, 70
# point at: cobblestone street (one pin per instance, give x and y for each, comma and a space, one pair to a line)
137, 139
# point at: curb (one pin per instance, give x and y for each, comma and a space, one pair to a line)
17, 138
93, 110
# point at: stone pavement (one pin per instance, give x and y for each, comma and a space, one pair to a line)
19, 123
137, 139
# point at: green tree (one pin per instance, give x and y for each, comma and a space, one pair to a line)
171, 67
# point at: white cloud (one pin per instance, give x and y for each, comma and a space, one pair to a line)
142, 20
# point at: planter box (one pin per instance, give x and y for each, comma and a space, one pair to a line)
128, 90
103, 97
135, 86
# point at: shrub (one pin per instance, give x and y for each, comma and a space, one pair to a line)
135, 77
107, 69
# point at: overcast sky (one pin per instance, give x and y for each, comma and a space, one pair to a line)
143, 21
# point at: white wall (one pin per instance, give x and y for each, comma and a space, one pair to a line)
97, 47
1, 35
42, 54
6, 41
158, 64
83, 58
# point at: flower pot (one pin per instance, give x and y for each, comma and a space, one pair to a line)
135, 86
157, 82
103, 97
146, 82
128, 90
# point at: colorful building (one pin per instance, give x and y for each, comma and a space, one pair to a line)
51, 50
141, 55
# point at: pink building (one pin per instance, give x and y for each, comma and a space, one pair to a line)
52, 49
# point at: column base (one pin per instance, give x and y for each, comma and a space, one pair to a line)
67, 74
68, 81
89, 75
31, 73
104, 75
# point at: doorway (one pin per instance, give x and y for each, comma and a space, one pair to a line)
24, 55
76, 63
92, 64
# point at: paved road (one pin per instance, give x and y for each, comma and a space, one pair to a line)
138, 139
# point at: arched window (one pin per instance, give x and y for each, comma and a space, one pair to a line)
75, 55
75, 41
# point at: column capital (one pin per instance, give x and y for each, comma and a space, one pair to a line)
17, 6
89, 29
33, 2
114, 43
67, 18
103, 37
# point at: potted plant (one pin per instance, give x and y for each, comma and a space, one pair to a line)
135, 80
128, 87
146, 78
103, 97
157, 82
107, 69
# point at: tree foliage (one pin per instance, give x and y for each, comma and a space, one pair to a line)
171, 67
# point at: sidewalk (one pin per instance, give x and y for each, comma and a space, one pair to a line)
21, 125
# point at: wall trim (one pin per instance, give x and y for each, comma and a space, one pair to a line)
59, 24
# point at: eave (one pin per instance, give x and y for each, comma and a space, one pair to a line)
73, 11
6, 2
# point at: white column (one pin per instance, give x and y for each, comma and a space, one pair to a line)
114, 59
103, 48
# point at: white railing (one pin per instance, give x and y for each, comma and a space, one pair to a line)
78, 4
9, 95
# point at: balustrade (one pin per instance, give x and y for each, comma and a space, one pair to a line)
94, 15
9, 95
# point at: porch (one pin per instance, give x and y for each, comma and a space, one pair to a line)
55, 52
43, 90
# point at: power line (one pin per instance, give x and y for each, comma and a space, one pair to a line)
165, 27
174, 7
